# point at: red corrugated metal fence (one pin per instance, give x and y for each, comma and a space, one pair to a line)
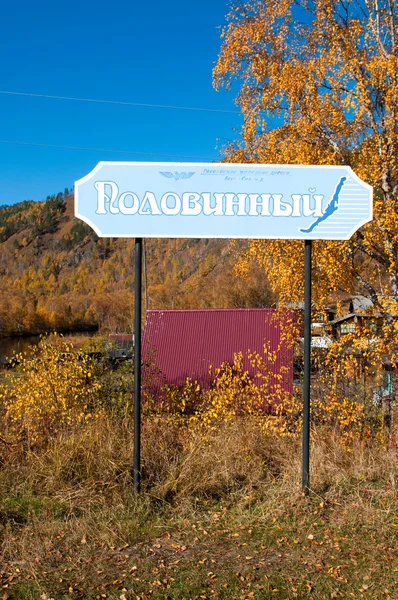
183, 343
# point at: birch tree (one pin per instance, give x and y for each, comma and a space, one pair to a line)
317, 84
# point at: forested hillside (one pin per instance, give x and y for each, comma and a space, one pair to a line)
55, 273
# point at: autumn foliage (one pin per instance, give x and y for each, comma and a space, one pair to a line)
59, 388
57, 275
318, 85
54, 388
220, 485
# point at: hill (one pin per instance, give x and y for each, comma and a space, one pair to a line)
55, 273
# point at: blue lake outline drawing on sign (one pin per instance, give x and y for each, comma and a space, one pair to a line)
330, 209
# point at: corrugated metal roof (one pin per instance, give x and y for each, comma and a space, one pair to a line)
183, 343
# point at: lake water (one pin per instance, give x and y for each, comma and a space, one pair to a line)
11, 345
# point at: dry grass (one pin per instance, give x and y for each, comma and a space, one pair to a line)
212, 506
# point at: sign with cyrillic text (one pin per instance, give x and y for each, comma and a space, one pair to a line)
209, 200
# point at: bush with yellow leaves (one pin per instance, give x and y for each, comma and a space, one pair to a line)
264, 400
234, 393
51, 389
347, 419
184, 402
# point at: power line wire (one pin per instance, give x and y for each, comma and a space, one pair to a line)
17, 143
121, 103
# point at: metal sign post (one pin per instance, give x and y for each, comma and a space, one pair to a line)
137, 364
222, 200
307, 365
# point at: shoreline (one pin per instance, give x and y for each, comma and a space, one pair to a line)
15, 336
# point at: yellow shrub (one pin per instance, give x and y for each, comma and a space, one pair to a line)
52, 388
175, 400
234, 393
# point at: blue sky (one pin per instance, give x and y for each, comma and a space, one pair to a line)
150, 52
